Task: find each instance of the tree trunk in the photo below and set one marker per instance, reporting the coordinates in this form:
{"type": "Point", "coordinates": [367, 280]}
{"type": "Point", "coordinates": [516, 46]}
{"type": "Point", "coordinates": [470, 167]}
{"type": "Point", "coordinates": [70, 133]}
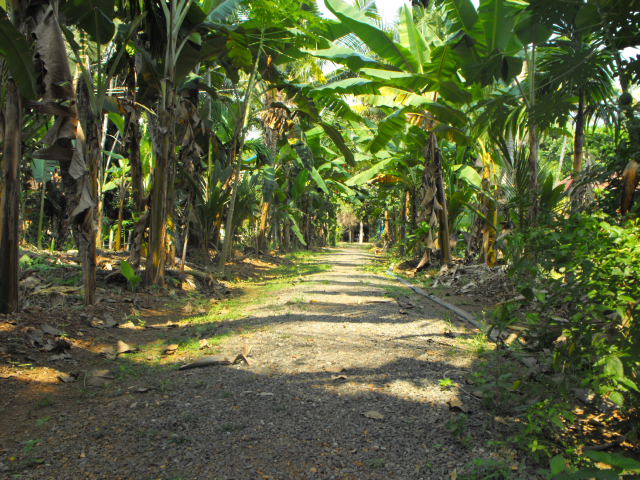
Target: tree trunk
{"type": "Point", "coordinates": [534, 141]}
{"type": "Point", "coordinates": [562, 155]}
{"type": "Point", "coordinates": [101, 174]}
{"type": "Point", "coordinates": [388, 236]}
{"type": "Point", "coordinates": [41, 212]}
{"type": "Point", "coordinates": [84, 215]}
{"type": "Point", "coordinates": [443, 214]}
{"type": "Point", "coordinates": [361, 237]}
{"type": "Point", "coordinates": [163, 143]}
{"type": "Point", "coordinates": [578, 141]}
{"type": "Point", "coordinates": [132, 147]}
{"type": "Point", "coordinates": [264, 226]}
{"type": "Point", "coordinates": [404, 214]}
{"type": "Point", "coordinates": [10, 200]}
{"type": "Point", "coordinates": [118, 245]}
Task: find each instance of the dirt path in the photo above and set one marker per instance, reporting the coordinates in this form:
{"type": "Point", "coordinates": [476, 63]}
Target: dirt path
{"type": "Point", "coordinates": [343, 383]}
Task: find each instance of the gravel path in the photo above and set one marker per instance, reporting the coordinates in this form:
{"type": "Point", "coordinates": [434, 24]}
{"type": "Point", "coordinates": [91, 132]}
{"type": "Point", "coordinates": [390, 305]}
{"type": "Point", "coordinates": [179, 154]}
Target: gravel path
{"type": "Point", "coordinates": [342, 384]}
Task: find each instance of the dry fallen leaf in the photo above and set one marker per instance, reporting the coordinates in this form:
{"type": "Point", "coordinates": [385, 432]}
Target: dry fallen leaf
{"type": "Point", "coordinates": [373, 414]}
{"type": "Point", "coordinates": [122, 347]}
{"type": "Point", "coordinates": [457, 405]}
{"type": "Point", "coordinates": [72, 377]}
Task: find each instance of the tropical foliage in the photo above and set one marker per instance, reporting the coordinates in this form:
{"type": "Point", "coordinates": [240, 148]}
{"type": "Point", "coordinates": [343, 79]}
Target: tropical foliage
{"type": "Point", "coordinates": [186, 128]}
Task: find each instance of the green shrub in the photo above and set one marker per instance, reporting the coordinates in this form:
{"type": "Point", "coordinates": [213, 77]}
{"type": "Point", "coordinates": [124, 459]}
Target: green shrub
{"type": "Point", "coordinates": [584, 273]}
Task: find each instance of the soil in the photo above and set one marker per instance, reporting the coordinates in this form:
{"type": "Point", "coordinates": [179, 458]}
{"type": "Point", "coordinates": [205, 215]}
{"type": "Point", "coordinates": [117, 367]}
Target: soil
{"type": "Point", "coordinates": [343, 381]}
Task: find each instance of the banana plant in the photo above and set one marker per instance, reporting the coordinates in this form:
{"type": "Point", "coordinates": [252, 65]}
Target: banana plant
{"type": "Point", "coordinates": [119, 178]}
{"type": "Point", "coordinates": [415, 81]}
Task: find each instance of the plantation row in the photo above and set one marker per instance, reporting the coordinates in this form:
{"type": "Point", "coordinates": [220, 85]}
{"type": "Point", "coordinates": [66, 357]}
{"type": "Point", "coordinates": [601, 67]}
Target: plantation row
{"type": "Point", "coordinates": [503, 133]}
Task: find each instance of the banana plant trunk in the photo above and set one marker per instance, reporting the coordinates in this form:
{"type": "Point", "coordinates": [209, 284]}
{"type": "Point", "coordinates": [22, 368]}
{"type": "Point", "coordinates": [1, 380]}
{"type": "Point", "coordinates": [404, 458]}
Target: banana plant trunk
{"type": "Point", "coordinates": [10, 200]}
{"type": "Point", "coordinates": [264, 226]}
{"type": "Point", "coordinates": [88, 137]}
{"type": "Point", "coordinates": [388, 235]}
{"type": "Point", "coordinates": [443, 214]}
{"type": "Point", "coordinates": [132, 139]}
{"type": "Point", "coordinates": [156, 257]}
{"type": "Point", "coordinates": [433, 207]}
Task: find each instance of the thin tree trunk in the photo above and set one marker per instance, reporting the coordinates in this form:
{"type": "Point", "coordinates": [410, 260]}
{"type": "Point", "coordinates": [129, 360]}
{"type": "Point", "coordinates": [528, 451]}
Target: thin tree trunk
{"type": "Point", "coordinates": [388, 237]}
{"type": "Point", "coordinates": [118, 245]}
{"type": "Point", "coordinates": [534, 141]}
{"type": "Point", "coordinates": [403, 221]}
{"type": "Point", "coordinates": [41, 212]}
{"type": "Point", "coordinates": [563, 151]}
{"type": "Point", "coordinates": [101, 174]}
{"type": "Point", "coordinates": [578, 141]}
{"type": "Point", "coordinates": [10, 200]}
{"type": "Point", "coordinates": [186, 238]}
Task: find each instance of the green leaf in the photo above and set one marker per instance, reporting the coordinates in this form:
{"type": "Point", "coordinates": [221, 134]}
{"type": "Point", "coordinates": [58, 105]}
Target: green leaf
{"type": "Point", "coordinates": [617, 398]}
{"type": "Point", "coordinates": [299, 184]}
{"type": "Point", "coordinates": [496, 18]}
{"type": "Point", "coordinates": [42, 170]}
{"type": "Point", "coordinates": [530, 30]}
{"type": "Point", "coordinates": [129, 273]}
{"type": "Point", "coordinates": [462, 14]}
{"type": "Point", "coordinates": [94, 16]}
{"type": "Point", "coordinates": [468, 174]}
{"type": "Point", "coordinates": [296, 230]}
{"type": "Point", "coordinates": [319, 181]}
{"type": "Point", "coordinates": [118, 121]}
{"type": "Point", "coordinates": [588, 18]}
{"type": "Point", "coordinates": [17, 54]}
{"type": "Point", "coordinates": [557, 464]}
{"type": "Point", "coordinates": [338, 140]}
{"type": "Point", "coordinates": [446, 113]}
{"type": "Point", "coordinates": [223, 10]}
{"type": "Point", "coordinates": [453, 92]}
{"type": "Point", "coordinates": [389, 128]}
{"type": "Point", "coordinates": [628, 465]}
{"type": "Point", "coordinates": [345, 56]}
{"type": "Point", "coordinates": [351, 86]}
{"type": "Point", "coordinates": [109, 186]}
{"type": "Point", "coordinates": [613, 367]}
{"type": "Point", "coordinates": [364, 177]}
{"type": "Point", "coordinates": [411, 37]}
{"type": "Point", "coordinates": [377, 40]}
{"type": "Point", "coordinates": [339, 186]}
{"type": "Point", "coordinates": [392, 78]}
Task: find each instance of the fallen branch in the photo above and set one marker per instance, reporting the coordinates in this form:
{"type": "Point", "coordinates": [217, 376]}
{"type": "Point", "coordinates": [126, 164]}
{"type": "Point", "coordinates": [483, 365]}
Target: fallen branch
{"type": "Point", "coordinates": [214, 361]}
